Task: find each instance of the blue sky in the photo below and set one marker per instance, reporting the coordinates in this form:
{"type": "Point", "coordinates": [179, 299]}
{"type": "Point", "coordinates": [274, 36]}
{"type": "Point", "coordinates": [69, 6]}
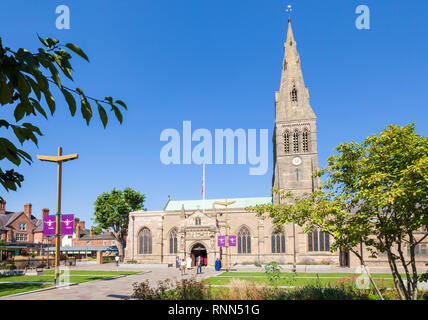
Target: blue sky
{"type": "Point", "coordinates": [217, 64]}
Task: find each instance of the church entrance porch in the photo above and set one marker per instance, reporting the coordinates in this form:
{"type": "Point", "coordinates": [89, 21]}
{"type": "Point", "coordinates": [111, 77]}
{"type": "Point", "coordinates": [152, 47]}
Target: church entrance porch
{"type": "Point", "coordinates": [198, 250]}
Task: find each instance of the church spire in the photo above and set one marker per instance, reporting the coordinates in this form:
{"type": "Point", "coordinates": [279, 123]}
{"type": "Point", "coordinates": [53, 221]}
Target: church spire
{"type": "Point", "coordinates": [295, 140]}
{"type": "Point", "coordinates": [293, 96]}
{"type": "Point", "coordinates": [290, 36]}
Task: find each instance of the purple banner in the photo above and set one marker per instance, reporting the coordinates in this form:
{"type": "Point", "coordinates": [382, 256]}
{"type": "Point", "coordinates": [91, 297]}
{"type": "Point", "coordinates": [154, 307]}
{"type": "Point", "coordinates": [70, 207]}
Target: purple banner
{"type": "Point", "coordinates": [49, 226]}
{"type": "Point", "coordinates": [67, 224]}
{"type": "Point", "coordinates": [232, 241]}
{"type": "Point", "coordinates": [221, 241]}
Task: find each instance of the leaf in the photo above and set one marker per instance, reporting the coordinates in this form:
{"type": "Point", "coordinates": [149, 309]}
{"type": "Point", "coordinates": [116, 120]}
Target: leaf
{"type": "Point", "coordinates": [5, 93]}
{"type": "Point", "coordinates": [38, 107]}
{"type": "Point", "coordinates": [70, 101]}
{"type": "Point", "coordinates": [86, 110]}
{"type": "Point", "coordinates": [118, 114]}
{"type": "Point", "coordinates": [55, 75]}
{"type": "Point", "coordinates": [35, 87]}
{"type": "Point", "coordinates": [42, 41]}
{"type": "Point", "coordinates": [77, 50]}
{"type": "Point", "coordinates": [19, 111]}
{"type": "Point", "coordinates": [122, 104]}
{"type": "Point", "coordinates": [50, 101]}
{"type": "Point", "coordinates": [103, 114]}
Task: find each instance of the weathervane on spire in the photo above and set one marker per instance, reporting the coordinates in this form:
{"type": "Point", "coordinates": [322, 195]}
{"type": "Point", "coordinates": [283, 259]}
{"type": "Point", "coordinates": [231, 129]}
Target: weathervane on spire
{"type": "Point", "coordinates": [288, 10]}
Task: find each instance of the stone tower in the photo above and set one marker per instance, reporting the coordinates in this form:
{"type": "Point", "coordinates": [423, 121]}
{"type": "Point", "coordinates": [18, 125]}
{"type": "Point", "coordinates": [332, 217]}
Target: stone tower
{"type": "Point", "coordinates": [294, 138]}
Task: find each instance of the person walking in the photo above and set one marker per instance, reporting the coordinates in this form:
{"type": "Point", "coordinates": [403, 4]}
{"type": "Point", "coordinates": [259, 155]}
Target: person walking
{"type": "Point", "coordinates": [177, 262]}
{"type": "Point", "coordinates": [199, 265]}
{"type": "Point", "coordinates": [117, 260]}
{"type": "Point", "coordinates": [183, 267]}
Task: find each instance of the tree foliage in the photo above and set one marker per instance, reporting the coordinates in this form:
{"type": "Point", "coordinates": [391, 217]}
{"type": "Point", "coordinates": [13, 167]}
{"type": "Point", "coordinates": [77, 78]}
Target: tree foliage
{"type": "Point", "coordinates": [376, 194]}
{"type": "Point", "coordinates": [112, 212]}
{"type": "Point", "coordinates": [26, 82]}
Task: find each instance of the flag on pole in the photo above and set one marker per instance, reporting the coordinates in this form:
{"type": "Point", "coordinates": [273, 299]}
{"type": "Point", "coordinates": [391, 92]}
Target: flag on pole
{"type": "Point", "coordinates": [203, 186]}
{"type": "Point", "coordinates": [203, 180]}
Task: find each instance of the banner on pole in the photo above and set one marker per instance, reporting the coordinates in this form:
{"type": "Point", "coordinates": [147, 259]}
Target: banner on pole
{"type": "Point", "coordinates": [232, 241]}
{"type": "Point", "coordinates": [221, 241]}
{"type": "Point", "coordinates": [49, 226]}
{"type": "Point", "coordinates": [67, 224]}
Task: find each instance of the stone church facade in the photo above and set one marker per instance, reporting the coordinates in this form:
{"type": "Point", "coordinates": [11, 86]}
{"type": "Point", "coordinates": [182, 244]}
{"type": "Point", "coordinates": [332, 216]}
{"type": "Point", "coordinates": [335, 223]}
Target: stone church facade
{"type": "Point", "coordinates": [185, 228]}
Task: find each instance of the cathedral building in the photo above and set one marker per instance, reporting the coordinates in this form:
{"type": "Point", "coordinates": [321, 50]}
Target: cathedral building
{"type": "Point", "coordinates": [191, 228]}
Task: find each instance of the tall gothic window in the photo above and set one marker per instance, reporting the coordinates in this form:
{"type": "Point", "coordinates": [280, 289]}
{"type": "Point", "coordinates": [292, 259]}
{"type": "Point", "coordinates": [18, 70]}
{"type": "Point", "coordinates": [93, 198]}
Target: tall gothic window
{"type": "Point", "coordinates": [294, 95]}
{"type": "Point", "coordinates": [286, 142]}
{"type": "Point", "coordinates": [173, 241]}
{"type": "Point", "coordinates": [198, 221]}
{"type": "Point", "coordinates": [244, 241]}
{"type": "Point", "coordinates": [278, 242]}
{"type": "Point", "coordinates": [305, 140]}
{"type": "Point", "coordinates": [318, 241]}
{"type": "Point", "coordinates": [145, 242]}
{"type": "Point", "coordinates": [296, 141]}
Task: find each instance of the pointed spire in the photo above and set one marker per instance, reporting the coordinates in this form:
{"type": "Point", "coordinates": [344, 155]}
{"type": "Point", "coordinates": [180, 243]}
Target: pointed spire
{"type": "Point", "coordinates": [290, 36]}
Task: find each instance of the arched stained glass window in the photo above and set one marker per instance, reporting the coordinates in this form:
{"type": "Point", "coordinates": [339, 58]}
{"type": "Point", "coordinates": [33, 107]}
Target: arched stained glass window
{"type": "Point", "coordinates": [173, 241]}
{"type": "Point", "coordinates": [145, 242]}
{"type": "Point", "coordinates": [244, 241]}
{"type": "Point", "coordinates": [318, 241]}
{"type": "Point", "coordinates": [278, 242]}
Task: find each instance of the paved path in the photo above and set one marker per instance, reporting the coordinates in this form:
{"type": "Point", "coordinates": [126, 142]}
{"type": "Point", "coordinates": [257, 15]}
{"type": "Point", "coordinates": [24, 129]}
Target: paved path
{"type": "Point", "coordinates": [110, 289]}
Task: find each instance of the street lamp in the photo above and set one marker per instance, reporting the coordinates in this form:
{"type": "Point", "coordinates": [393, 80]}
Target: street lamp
{"type": "Point", "coordinates": [226, 203]}
{"type": "Point", "coordinates": [58, 160]}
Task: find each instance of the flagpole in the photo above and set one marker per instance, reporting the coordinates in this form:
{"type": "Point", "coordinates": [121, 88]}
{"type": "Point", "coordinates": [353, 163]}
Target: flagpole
{"type": "Point", "coordinates": [203, 186]}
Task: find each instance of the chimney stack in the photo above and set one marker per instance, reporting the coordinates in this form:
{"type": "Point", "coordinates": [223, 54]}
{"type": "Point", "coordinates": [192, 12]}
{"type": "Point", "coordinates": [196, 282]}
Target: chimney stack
{"type": "Point", "coordinates": [3, 206]}
{"type": "Point", "coordinates": [27, 210]}
{"type": "Point", "coordinates": [91, 232]}
{"type": "Point", "coordinates": [45, 212]}
{"type": "Point", "coordinates": [78, 232]}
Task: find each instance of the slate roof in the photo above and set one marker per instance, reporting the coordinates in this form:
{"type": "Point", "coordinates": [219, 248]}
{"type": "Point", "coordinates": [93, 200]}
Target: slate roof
{"type": "Point", "coordinates": [8, 217]}
{"type": "Point", "coordinates": [240, 203]}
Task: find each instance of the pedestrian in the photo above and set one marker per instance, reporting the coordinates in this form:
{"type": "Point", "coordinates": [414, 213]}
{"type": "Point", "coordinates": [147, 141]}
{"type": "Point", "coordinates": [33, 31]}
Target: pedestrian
{"type": "Point", "coordinates": [217, 264]}
{"type": "Point", "coordinates": [117, 260]}
{"type": "Point", "coordinates": [199, 265]}
{"type": "Point", "coordinates": [177, 262]}
{"type": "Point", "coordinates": [205, 261]}
{"type": "Point", "coordinates": [183, 267]}
{"type": "Point", "coordinates": [189, 263]}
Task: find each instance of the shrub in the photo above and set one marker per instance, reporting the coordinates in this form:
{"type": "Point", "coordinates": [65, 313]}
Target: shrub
{"type": "Point", "coordinates": [186, 289]}
{"type": "Point", "coordinates": [273, 272]}
{"type": "Point", "coordinates": [131, 261]}
{"type": "Point", "coordinates": [246, 290]}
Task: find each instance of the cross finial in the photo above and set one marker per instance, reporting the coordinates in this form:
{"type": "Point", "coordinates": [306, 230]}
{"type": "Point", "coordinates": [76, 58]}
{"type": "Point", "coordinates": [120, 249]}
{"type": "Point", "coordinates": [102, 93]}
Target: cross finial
{"type": "Point", "coordinates": [289, 10]}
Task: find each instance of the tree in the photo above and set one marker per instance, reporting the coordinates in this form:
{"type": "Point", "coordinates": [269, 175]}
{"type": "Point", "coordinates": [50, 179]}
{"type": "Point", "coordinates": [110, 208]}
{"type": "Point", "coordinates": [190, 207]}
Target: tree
{"type": "Point", "coordinates": [375, 194]}
{"type": "Point", "coordinates": [112, 212]}
{"type": "Point", "coordinates": [25, 78]}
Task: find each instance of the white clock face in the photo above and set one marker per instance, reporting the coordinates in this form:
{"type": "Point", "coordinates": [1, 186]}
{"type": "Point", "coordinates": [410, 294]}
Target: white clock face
{"type": "Point", "coordinates": [297, 161]}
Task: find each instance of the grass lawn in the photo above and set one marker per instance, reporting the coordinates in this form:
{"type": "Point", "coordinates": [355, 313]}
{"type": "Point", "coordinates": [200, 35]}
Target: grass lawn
{"type": "Point", "coordinates": [12, 288]}
{"type": "Point", "coordinates": [298, 279]}
{"type": "Point", "coordinates": [76, 276]}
